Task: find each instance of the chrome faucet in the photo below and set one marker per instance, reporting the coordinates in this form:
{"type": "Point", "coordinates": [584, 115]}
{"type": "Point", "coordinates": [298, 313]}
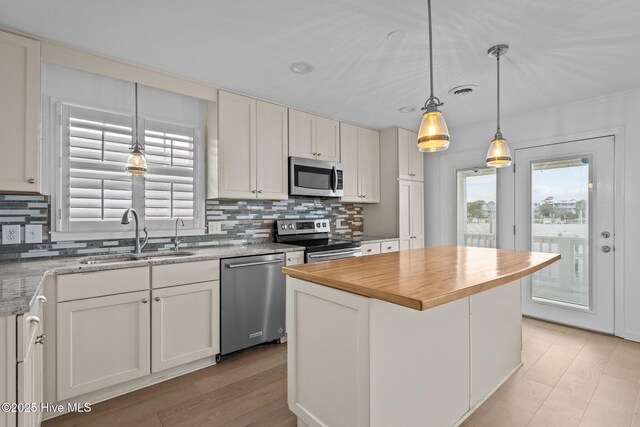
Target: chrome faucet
{"type": "Point", "coordinates": [175, 240]}
{"type": "Point", "coordinates": [126, 219]}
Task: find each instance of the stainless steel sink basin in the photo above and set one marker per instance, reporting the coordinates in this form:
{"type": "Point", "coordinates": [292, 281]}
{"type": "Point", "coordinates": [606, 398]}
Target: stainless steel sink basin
{"type": "Point", "coordinates": [112, 258]}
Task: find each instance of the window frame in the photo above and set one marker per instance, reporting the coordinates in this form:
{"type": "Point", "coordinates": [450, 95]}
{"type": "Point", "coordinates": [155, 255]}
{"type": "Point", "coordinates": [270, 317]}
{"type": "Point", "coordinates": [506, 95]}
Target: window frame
{"type": "Point", "coordinates": [460, 196]}
{"type": "Point", "coordinates": [95, 230]}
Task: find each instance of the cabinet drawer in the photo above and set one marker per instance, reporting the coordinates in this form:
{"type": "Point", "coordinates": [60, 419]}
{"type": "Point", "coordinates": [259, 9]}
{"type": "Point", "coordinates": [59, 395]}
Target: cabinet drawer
{"type": "Point", "coordinates": [370, 248]}
{"type": "Point", "coordinates": [392, 246]}
{"type": "Point", "coordinates": [184, 273]}
{"type": "Point", "coordinates": [102, 283]}
{"type": "Point", "coordinates": [28, 325]}
{"type": "Point", "coordinates": [294, 258]}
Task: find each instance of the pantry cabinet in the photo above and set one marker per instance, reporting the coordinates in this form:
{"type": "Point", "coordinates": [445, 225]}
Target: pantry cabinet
{"type": "Point", "coordinates": [19, 114]}
{"type": "Point", "coordinates": [411, 214]}
{"type": "Point", "coordinates": [360, 153]}
{"type": "Point", "coordinates": [313, 137]}
{"type": "Point", "coordinates": [252, 150]}
{"type": "Point", "coordinates": [410, 159]}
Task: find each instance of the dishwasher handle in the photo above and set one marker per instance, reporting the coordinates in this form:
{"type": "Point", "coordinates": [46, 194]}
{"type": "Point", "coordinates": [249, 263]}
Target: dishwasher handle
{"type": "Point", "coordinates": [251, 264]}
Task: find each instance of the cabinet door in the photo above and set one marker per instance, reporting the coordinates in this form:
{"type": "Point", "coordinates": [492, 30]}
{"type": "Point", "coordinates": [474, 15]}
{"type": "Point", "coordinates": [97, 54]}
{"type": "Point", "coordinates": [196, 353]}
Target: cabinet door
{"type": "Point", "coordinates": [405, 147]}
{"type": "Point", "coordinates": [369, 165]}
{"type": "Point", "coordinates": [19, 114]}
{"type": "Point", "coordinates": [417, 159]}
{"type": "Point", "coordinates": [102, 342]}
{"type": "Point", "coordinates": [417, 214]}
{"type": "Point", "coordinates": [236, 146]}
{"type": "Point", "coordinates": [327, 139]}
{"type": "Point", "coordinates": [302, 134]}
{"type": "Point", "coordinates": [371, 248]}
{"type": "Point", "coordinates": [294, 258]}
{"type": "Point", "coordinates": [349, 156]}
{"type": "Point", "coordinates": [185, 324]}
{"type": "Point", "coordinates": [30, 381]}
{"type": "Point", "coordinates": [272, 151]}
{"type": "Point", "coordinates": [404, 214]}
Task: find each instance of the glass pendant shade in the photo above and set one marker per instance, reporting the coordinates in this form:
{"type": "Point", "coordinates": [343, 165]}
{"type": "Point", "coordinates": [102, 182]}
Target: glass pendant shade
{"type": "Point", "coordinates": [136, 163]}
{"type": "Point", "coordinates": [433, 135]}
{"type": "Point", "coordinates": [499, 155]}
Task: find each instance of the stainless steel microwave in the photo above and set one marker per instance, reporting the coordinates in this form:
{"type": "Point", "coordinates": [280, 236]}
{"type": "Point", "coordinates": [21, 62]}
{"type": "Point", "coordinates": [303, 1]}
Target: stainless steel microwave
{"type": "Point", "coordinates": [318, 178]}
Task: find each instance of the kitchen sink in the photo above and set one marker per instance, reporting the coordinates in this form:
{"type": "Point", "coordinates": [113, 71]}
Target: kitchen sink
{"type": "Point", "coordinates": [112, 258]}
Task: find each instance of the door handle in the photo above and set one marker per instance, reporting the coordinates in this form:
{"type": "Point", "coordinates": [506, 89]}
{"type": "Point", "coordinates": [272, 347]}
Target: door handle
{"type": "Point", "coordinates": [605, 234]}
{"type": "Point", "coordinates": [251, 264]}
{"type": "Point", "coordinates": [606, 249]}
{"type": "Point", "coordinates": [334, 179]}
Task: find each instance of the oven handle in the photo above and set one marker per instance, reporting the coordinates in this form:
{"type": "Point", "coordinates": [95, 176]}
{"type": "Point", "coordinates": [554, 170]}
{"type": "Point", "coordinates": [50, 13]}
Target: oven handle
{"type": "Point", "coordinates": [251, 264]}
{"type": "Point", "coordinates": [334, 179]}
{"type": "Point", "coordinates": [353, 252]}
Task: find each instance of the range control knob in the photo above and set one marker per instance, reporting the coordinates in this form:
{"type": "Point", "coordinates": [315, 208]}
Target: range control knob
{"type": "Point", "coordinates": [317, 225]}
{"type": "Point", "coordinates": [324, 224]}
{"type": "Point", "coordinates": [283, 226]}
{"type": "Point", "coordinates": [290, 226]}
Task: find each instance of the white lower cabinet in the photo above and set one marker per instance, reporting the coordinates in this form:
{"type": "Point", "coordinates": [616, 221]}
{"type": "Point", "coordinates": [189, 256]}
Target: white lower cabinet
{"type": "Point", "coordinates": [294, 258]}
{"type": "Point", "coordinates": [389, 246]}
{"type": "Point", "coordinates": [101, 342]}
{"type": "Point", "coordinates": [30, 383]}
{"type": "Point", "coordinates": [371, 248]}
{"type": "Point", "coordinates": [185, 324]}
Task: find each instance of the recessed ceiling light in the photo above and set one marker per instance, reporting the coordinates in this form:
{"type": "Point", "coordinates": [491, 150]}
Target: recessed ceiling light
{"type": "Point", "coordinates": [301, 68]}
{"type": "Point", "coordinates": [462, 90]}
{"type": "Point", "coordinates": [408, 109]}
{"type": "Point", "coordinates": [397, 35]}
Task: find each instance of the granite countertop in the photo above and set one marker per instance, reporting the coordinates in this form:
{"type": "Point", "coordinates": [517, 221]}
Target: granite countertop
{"type": "Point", "coordinates": [20, 281]}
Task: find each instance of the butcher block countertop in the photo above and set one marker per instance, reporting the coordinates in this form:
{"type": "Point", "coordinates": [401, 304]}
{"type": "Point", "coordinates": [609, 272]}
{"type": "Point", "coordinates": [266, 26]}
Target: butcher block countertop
{"type": "Point", "coordinates": [424, 278]}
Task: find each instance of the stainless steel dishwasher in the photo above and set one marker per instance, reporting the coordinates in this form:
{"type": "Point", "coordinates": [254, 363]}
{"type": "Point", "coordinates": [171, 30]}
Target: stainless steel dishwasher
{"type": "Point", "coordinates": [252, 301]}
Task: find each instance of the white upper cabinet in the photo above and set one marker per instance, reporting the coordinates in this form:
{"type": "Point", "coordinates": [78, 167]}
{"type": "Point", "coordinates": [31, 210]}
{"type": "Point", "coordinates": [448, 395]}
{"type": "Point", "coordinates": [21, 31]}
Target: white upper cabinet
{"type": "Point", "coordinates": [272, 151]}
{"type": "Point", "coordinates": [252, 150]}
{"type": "Point", "coordinates": [19, 114]}
{"type": "Point", "coordinates": [327, 139]}
{"type": "Point", "coordinates": [410, 160]}
{"type": "Point", "coordinates": [313, 137]}
{"type": "Point", "coordinates": [360, 153]}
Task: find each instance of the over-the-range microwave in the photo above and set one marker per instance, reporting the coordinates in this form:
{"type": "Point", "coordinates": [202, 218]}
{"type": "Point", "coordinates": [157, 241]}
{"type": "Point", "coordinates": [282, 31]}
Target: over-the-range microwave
{"type": "Point", "coordinates": [309, 177]}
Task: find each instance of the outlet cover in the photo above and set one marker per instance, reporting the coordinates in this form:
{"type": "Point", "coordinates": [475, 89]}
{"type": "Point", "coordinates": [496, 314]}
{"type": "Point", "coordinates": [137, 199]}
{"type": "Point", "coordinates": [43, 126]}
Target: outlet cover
{"type": "Point", "coordinates": [33, 233]}
{"type": "Point", "coordinates": [215, 227]}
{"type": "Point", "coordinates": [11, 234]}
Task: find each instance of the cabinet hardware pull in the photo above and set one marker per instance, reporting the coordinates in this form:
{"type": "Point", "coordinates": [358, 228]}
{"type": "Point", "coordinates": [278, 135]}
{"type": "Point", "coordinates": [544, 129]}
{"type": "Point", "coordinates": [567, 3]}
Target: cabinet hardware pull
{"type": "Point", "coordinates": [42, 298]}
{"type": "Point", "coordinates": [157, 298]}
{"type": "Point", "coordinates": [388, 247]}
{"type": "Point", "coordinates": [253, 191]}
{"type": "Point", "coordinates": [34, 320]}
{"type": "Point", "coordinates": [289, 259]}
{"type": "Point", "coordinates": [31, 181]}
{"type": "Point", "coordinates": [260, 191]}
{"type": "Point", "coordinates": [144, 301]}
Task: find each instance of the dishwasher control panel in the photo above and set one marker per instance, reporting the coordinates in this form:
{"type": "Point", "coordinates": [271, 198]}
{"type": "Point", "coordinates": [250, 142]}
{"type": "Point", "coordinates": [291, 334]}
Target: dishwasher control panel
{"type": "Point", "coordinates": [302, 226]}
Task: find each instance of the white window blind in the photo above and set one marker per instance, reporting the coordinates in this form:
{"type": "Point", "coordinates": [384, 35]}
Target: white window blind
{"type": "Point", "coordinates": [96, 187]}
{"type": "Point", "coordinates": [169, 183]}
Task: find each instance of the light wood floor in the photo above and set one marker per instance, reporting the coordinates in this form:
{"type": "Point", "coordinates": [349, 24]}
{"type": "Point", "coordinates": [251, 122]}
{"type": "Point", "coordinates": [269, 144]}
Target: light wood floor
{"type": "Point", "coordinates": [570, 378]}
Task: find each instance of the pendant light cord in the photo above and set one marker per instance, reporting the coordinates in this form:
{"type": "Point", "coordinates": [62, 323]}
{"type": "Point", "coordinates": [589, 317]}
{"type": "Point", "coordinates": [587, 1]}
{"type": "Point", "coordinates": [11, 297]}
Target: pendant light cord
{"type": "Point", "coordinates": [430, 51]}
{"type": "Point", "coordinates": [136, 143]}
{"type": "Point", "coordinates": [498, 103]}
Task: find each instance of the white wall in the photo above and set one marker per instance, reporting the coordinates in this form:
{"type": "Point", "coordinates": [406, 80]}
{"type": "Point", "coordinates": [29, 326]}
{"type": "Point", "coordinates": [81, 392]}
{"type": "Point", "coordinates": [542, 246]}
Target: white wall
{"type": "Point", "coordinates": [617, 114]}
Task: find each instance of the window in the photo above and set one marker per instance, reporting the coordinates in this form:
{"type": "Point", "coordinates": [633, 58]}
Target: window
{"type": "Point", "coordinates": [95, 190]}
{"type": "Point", "coordinates": [476, 207]}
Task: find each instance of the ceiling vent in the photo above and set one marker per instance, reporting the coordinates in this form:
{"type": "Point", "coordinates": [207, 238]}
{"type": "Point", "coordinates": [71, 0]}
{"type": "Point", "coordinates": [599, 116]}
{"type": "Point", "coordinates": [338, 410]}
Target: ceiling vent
{"type": "Point", "coordinates": [463, 90]}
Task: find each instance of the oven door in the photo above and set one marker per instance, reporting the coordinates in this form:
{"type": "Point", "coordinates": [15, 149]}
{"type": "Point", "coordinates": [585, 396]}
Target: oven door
{"type": "Point", "coordinates": [309, 177]}
{"type": "Point", "coordinates": [331, 255]}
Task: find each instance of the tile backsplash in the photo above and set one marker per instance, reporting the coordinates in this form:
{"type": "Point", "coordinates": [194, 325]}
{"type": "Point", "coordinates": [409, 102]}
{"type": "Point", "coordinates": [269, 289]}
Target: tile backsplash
{"type": "Point", "coordinates": [241, 221]}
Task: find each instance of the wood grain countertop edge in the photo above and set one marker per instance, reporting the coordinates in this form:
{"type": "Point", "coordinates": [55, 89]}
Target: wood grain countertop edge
{"type": "Point", "coordinates": [415, 303]}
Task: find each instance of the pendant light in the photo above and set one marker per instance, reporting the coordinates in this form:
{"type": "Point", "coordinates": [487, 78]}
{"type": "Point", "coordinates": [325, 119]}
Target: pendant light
{"type": "Point", "coordinates": [433, 134]}
{"type": "Point", "coordinates": [136, 163]}
{"type": "Point", "coordinates": [499, 155]}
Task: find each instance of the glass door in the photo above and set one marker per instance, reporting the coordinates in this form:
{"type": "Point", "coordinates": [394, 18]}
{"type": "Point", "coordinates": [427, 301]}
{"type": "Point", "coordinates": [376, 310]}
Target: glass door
{"type": "Point", "coordinates": [564, 204]}
{"type": "Point", "coordinates": [476, 207]}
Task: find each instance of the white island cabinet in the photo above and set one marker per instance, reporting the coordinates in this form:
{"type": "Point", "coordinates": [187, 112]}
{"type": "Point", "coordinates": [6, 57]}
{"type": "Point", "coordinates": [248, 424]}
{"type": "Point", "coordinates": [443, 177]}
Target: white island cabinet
{"type": "Point", "coordinates": [410, 338]}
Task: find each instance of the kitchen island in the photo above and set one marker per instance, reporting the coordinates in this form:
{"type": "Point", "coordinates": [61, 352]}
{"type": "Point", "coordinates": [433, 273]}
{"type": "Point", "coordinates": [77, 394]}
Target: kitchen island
{"type": "Point", "coordinates": [418, 337]}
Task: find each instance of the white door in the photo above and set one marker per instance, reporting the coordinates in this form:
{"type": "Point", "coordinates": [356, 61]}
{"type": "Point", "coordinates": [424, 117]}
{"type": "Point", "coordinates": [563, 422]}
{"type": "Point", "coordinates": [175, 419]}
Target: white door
{"type": "Point", "coordinates": [327, 139]}
{"type": "Point", "coordinates": [272, 151]}
{"type": "Point", "coordinates": [417, 215]}
{"type": "Point", "coordinates": [185, 324]}
{"type": "Point", "coordinates": [237, 142]}
{"type": "Point", "coordinates": [417, 158]}
{"type": "Point", "coordinates": [369, 165]}
{"type": "Point", "coordinates": [404, 214]}
{"type": "Point", "coordinates": [405, 156]}
{"type": "Point", "coordinates": [564, 203]}
{"type": "Point", "coordinates": [349, 156]}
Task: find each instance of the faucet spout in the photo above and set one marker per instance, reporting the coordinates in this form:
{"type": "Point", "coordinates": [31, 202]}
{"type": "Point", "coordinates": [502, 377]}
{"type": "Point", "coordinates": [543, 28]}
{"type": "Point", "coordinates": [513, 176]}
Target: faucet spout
{"type": "Point", "coordinates": [126, 219]}
{"type": "Point", "coordinates": [175, 240]}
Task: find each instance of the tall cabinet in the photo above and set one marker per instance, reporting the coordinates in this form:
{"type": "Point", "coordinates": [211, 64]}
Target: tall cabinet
{"type": "Point", "coordinates": [251, 150]}
{"type": "Point", "coordinates": [19, 114]}
{"type": "Point", "coordinates": [400, 212]}
{"type": "Point", "coordinates": [360, 154]}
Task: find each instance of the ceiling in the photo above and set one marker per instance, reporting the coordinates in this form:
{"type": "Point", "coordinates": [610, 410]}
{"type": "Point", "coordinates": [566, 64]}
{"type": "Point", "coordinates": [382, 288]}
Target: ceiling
{"type": "Point", "coordinates": [561, 51]}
